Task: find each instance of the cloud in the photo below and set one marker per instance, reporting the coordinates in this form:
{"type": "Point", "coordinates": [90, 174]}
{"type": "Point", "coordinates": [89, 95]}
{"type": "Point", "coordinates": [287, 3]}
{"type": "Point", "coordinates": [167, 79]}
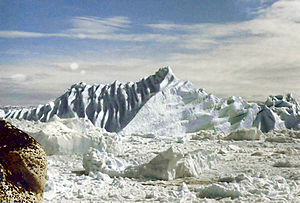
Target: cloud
{"type": "Point", "coordinates": [23, 34]}
{"type": "Point", "coordinates": [18, 77]}
{"type": "Point", "coordinates": [82, 27]}
{"type": "Point", "coordinates": [13, 77]}
{"type": "Point", "coordinates": [257, 57]}
{"type": "Point", "coordinates": [118, 28]}
{"type": "Point", "coordinates": [93, 25]}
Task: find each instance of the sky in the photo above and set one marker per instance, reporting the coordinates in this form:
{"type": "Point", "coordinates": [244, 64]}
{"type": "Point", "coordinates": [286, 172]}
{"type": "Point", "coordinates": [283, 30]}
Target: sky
{"type": "Point", "coordinates": [247, 48]}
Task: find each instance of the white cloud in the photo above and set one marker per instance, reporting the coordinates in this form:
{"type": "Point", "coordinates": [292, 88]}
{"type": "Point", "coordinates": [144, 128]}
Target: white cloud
{"type": "Point", "coordinates": [92, 25]}
{"type": "Point", "coordinates": [116, 28]}
{"type": "Point", "coordinates": [23, 34]}
{"type": "Point", "coordinates": [18, 77]}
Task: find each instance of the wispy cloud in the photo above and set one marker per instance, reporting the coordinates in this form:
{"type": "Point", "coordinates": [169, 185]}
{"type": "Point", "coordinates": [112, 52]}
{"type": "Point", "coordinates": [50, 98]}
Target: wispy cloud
{"type": "Point", "coordinates": [117, 28]}
{"type": "Point", "coordinates": [23, 34]}
{"type": "Point", "coordinates": [92, 25]}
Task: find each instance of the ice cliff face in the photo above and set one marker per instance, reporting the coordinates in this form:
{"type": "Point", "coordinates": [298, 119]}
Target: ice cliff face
{"type": "Point", "coordinates": [107, 106]}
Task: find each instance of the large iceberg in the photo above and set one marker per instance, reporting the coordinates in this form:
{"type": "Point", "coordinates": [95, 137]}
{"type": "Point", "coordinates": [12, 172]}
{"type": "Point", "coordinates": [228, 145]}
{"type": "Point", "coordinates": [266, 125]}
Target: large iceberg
{"type": "Point", "coordinates": [162, 104]}
{"type": "Point", "coordinates": [107, 106]}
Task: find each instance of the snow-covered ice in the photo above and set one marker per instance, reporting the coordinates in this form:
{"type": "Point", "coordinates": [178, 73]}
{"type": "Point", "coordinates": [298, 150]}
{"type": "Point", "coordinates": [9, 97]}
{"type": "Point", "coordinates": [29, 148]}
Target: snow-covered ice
{"type": "Point", "coordinates": [207, 166]}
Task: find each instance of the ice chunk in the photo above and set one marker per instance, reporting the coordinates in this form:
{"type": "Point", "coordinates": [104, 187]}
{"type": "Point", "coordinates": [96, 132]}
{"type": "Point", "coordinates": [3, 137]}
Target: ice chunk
{"type": "Point", "coordinates": [193, 164]}
{"type": "Point", "coordinates": [169, 165]}
{"type": "Point", "coordinates": [163, 166]}
{"type": "Point", "coordinates": [107, 163]}
{"type": "Point", "coordinates": [244, 134]}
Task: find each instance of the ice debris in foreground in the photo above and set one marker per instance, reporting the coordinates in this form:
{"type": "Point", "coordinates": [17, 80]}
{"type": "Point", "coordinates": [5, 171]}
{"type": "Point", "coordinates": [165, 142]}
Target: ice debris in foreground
{"type": "Point", "coordinates": [266, 170]}
{"type": "Point", "coordinates": [167, 165]}
{"type": "Point", "coordinates": [104, 162]}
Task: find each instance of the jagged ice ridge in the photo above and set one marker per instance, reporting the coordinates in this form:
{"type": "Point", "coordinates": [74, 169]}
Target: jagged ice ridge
{"type": "Point", "coordinates": [162, 103]}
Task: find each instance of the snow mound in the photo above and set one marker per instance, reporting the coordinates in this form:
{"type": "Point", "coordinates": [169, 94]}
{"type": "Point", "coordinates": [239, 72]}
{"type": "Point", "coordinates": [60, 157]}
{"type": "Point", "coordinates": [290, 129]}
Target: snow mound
{"type": "Point", "coordinates": [169, 165]}
{"type": "Point", "coordinates": [279, 112]}
{"type": "Point", "coordinates": [244, 134]}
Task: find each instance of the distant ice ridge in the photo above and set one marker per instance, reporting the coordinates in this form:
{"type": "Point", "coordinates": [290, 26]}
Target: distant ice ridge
{"type": "Point", "coordinates": [162, 104]}
{"type": "Point", "coordinates": [279, 112]}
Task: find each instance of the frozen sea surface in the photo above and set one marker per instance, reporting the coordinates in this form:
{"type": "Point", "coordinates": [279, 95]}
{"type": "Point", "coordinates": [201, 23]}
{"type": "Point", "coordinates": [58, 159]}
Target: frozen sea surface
{"type": "Point", "coordinates": [240, 166]}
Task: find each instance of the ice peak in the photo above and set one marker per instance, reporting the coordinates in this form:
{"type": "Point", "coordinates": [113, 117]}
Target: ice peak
{"type": "Point", "coordinates": [165, 76]}
{"type": "Point", "coordinates": [78, 85]}
{"type": "Point", "coordinates": [165, 71]}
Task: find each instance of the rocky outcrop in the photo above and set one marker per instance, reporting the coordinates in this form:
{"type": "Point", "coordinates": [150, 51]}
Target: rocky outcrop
{"type": "Point", "coordinates": [23, 165]}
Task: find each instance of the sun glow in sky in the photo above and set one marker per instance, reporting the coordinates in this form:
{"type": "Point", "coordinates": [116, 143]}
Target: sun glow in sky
{"type": "Point", "coordinates": [247, 48]}
{"type": "Point", "coordinates": [74, 66]}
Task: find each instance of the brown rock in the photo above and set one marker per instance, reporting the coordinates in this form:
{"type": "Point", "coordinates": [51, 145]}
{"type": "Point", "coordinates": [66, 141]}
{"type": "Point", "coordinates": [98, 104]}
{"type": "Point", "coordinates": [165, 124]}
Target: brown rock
{"type": "Point", "coordinates": [23, 165]}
